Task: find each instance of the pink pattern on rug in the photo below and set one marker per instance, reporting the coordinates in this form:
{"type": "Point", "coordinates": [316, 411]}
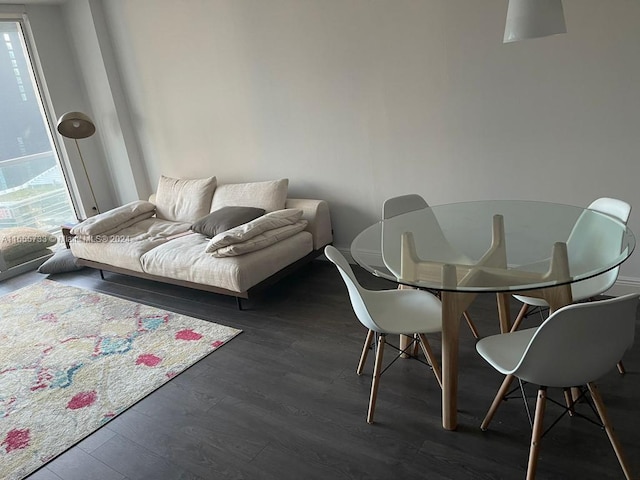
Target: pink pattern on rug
{"type": "Point", "coordinates": [148, 359]}
{"type": "Point", "coordinates": [82, 399]}
{"type": "Point", "coordinates": [217, 343]}
{"type": "Point", "coordinates": [44, 379]}
{"type": "Point", "coordinates": [188, 334]}
{"type": "Point", "coordinates": [16, 440]}
{"type": "Point", "coordinates": [49, 317]}
{"type": "Point", "coordinates": [92, 299]}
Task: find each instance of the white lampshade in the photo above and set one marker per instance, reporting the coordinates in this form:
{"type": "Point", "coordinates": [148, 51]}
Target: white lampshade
{"type": "Point", "coordinates": [533, 18]}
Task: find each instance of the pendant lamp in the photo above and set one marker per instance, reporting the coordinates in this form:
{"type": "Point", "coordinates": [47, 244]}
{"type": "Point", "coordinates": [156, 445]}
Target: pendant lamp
{"type": "Point", "coordinates": [532, 19]}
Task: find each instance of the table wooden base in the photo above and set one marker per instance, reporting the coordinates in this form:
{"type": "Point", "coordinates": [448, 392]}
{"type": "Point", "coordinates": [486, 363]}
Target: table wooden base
{"type": "Point", "coordinates": [454, 304]}
{"type": "Point", "coordinates": [490, 272]}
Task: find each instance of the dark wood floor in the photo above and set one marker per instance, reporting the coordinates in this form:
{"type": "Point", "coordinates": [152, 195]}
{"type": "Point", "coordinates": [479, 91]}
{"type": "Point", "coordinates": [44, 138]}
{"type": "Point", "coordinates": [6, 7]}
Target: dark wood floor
{"type": "Point", "coordinates": [282, 401]}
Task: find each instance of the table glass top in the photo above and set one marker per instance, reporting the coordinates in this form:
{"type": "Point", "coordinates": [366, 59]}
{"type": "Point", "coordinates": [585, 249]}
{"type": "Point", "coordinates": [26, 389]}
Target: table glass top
{"type": "Point", "coordinates": [494, 245]}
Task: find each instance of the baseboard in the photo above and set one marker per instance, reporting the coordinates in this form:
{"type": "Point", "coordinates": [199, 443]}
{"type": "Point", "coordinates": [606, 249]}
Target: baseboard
{"type": "Point", "coordinates": [344, 251]}
{"type": "Point", "coordinates": [624, 286]}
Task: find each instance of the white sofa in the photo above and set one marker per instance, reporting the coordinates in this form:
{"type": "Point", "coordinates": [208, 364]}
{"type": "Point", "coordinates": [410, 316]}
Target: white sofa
{"type": "Point", "coordinates": [154, 239]}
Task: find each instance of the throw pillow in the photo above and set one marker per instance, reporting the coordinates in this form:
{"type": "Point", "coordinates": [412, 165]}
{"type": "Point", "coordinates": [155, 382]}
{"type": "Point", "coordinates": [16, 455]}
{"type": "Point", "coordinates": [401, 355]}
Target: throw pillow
{"type": "Point", "coordinates": [270, 195]}
{"type": "Point", "coordinates": [62, 261]}
{"type": "Point", "coordinates": [224, 219]}
{"type": "Point", "coordinates": [184, 200]}
{"type": "Point", "coordinates": [16, 242]}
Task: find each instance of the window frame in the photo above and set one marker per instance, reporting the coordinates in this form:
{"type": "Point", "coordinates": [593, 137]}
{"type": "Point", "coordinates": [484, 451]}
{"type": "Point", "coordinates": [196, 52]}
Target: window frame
{"type": "Point", "coordinates": [18, 14]}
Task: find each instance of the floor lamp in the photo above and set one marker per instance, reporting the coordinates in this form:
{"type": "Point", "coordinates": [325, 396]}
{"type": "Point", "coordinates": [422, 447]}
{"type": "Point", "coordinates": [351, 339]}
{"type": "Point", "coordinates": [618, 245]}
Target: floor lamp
{"type": "Point", "coordinates": [78, 125]}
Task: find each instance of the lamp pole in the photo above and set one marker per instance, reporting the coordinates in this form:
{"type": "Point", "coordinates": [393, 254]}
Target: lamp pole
{"type": "Point", "coordinates": [84, 167]}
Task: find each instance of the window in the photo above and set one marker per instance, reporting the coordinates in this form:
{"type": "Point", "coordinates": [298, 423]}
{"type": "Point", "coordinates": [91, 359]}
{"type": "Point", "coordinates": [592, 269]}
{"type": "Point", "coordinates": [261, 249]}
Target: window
{"type": "Point", "coordinates": [33, 188]}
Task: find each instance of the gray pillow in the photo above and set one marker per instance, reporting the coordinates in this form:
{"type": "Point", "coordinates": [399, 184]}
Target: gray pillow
{"type": "Point", "coordinates": [61, 261]}
{"type": "Point", "coordinates": [224, 219]}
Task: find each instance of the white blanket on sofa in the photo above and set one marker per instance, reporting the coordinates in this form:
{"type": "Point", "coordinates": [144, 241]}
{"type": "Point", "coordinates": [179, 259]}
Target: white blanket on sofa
{"type": "Point", "coordinates": [109, 223]}
{"type": "Point", "coordinates": [257, 234]}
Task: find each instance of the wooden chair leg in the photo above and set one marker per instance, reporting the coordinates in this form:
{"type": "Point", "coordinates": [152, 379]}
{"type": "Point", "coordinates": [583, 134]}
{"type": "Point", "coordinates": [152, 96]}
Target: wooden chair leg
{"type": "Point", "coordinates": [521, 314]}
{"type": "Point", "coordinates": [504, 388]}
{"type": "Point", "coordinates": [416, 346]}
{"type": "Point", "coordinates": [375, 382]}
{"type": "Point", "coordinates": [472, 325]}
{"type": "Point", "coordinates": [428, 352]}
{"type": "Point", "coordinates": [536, 435]}
{"type": "Point", "coordinates": [365, 351]}
{"type": "Point", "coordinates": [613, 438]}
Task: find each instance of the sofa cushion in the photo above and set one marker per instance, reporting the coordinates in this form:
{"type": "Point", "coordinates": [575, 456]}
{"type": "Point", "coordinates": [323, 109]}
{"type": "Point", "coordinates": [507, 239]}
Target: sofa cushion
{"type": "Point", "coordinates": [183, 259]}
{"type": "Point", "coordinates": [126, 247]}
{"type": "Point", "coordinates": [225, 219]}
{"type": "Point", "coordinates": [260, 241]}
{"type": "Point", "coordinates": [184, 200]}
{"type": "Point", "coordinates": [41, 254]}
{"type": "Point", "coordinates": [16, 242]}
{"type": "Point", "coordinates": [115, 219]}
{"type": "Point", "coordinates": [270, 195]}
{"type": "Point", "coordinates": [247, 231]}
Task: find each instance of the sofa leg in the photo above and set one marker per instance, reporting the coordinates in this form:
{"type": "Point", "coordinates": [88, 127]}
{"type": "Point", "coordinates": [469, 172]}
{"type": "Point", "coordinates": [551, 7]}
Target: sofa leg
{"type": "Point", "coordinates": [239, 303]}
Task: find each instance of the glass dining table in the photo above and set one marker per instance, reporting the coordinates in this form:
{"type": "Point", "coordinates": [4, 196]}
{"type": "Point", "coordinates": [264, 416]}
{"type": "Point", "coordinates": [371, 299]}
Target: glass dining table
{"type": "Point", "coordinates": [531, 248]}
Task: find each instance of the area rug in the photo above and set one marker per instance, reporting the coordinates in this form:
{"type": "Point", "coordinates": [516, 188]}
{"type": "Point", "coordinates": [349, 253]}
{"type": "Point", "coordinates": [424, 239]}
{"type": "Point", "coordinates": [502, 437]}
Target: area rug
{"type": "Point", "coordinates": [72, 359]}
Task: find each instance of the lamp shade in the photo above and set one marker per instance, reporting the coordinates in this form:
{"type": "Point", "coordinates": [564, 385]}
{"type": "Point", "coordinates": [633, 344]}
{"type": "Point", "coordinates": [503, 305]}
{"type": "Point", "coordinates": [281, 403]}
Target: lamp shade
{"type": "Point", "coordinates": [75, 125]}
{"type": "Point", "coordinates": [533, 19]}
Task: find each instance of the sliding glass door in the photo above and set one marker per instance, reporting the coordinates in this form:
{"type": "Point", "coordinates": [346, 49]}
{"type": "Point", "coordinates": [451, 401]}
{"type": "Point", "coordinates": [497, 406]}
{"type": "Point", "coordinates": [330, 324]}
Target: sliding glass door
{"type": "Point", "coordinates": [33, 188]}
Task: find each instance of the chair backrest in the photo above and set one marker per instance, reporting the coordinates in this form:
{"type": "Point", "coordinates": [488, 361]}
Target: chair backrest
{"type": "Point", "coordinates": [593, 238]}
{"type": "Point", "coordinates": [579, 343]}
{"type": "Point", "coordinates": [612, 206]}
{"type": "Point", "coordinates": [392, 207]}
{"type": "Point", "coordinates": [357, 293]}
{"type": "Point", "coordinates": [431, 242]}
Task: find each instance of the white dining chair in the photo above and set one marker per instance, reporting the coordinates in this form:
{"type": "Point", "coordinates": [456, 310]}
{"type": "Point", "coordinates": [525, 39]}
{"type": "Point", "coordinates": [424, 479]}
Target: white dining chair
{"type": "Point", "coordinates": [392, 207]}
{"type": "Point", "coordinates": [575, 346]}
{"type": "Point", "coordinates": [404, 312]}
{"type": "Point", "coordinates": [585, 243]}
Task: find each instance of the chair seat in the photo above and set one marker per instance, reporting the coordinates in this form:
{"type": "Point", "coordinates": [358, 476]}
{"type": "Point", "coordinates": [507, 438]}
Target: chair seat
{"type": "Point", "coordinates": [533, 301]}
{"type": "Point", "coordinates": [579, 291]}
{"type": "Point", "coordinates": [505, 351]}
{"type": "Point", "coordinates": [402, 311]}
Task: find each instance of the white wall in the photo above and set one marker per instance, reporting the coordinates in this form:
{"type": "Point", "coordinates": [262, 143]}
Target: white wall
{"type": "Point", "coordinates": [98, 67]}
{"type": "Point", "coordinates": [358, 100]}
